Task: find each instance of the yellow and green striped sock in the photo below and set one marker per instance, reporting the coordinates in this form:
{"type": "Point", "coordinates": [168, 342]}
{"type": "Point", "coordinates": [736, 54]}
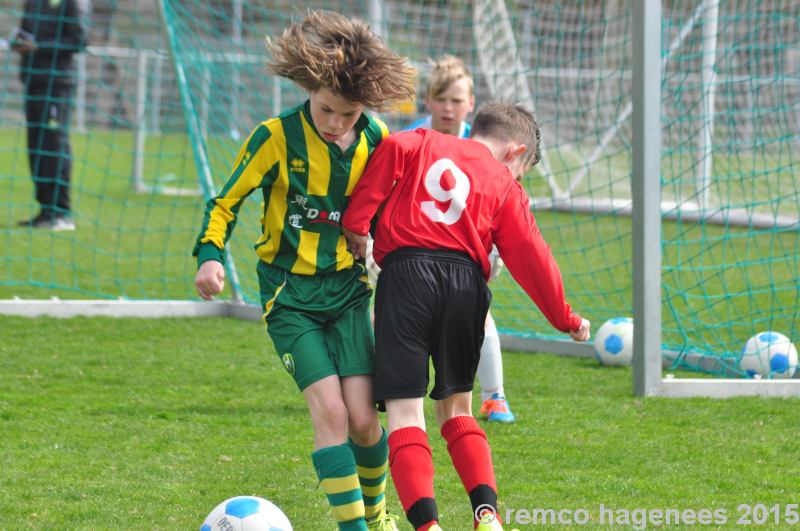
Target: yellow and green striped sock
{"type": "Point", "coordinates": [336, 470]}
{"type": "Point", "coordinates": [371, 464]}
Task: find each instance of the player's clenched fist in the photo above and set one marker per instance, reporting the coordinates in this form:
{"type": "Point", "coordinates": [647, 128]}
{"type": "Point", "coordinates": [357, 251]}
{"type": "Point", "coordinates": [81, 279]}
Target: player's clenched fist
{"type": "Point", "coordinates": [582, 333]}
{"type": "Point", "coordinates": [210, 279]}
{"type": "Point", "coordinates": [356, 244]}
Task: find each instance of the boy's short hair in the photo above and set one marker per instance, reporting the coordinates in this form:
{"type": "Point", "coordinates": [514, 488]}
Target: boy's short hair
{"type": "Point", "coordinates": [446, 71]}
{"type": "Point", "coordinates": [509, 121]}
{"type": "Point", "coordinates": [328, 50]}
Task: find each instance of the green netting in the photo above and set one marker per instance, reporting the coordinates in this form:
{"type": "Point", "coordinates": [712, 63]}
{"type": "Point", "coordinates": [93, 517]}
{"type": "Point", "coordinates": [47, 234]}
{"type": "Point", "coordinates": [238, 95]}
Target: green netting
{"type": "Point", "coordinates": [127, 128]}
{"type": "Point", "coordinates": [171, 90]}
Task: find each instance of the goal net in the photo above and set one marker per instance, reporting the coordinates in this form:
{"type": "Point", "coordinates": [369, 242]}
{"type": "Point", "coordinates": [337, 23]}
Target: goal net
{"type": "Point", "coordinates": [169, 90]}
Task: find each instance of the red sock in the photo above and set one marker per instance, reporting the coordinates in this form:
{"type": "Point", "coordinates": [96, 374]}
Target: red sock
{"type": "Point", "coordinates": [472, 459]}
{"type": "Point", "coordinates": [411, 465]}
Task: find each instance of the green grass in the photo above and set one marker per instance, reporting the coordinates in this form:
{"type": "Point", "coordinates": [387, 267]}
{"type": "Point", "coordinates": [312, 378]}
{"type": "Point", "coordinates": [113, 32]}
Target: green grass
{"type": "Point", "coordinates": [128, 244]}
{"type": "Point", "coordinates": [148, 424]}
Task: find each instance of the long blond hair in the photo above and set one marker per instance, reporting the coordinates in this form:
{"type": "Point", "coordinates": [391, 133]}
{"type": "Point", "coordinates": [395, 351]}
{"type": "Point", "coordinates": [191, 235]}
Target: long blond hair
{"type": "Point", "coordinates": [328, 50]}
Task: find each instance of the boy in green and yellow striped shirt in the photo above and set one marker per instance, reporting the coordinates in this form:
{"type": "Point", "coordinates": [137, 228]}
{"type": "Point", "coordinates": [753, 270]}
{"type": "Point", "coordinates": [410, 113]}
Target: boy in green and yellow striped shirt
{"type": "Point", "coordinates": [315, 296]}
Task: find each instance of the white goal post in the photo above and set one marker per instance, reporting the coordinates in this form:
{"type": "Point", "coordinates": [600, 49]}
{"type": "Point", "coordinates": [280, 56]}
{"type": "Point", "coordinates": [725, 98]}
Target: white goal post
{"type": "Point", "coordinates": [646, 188]}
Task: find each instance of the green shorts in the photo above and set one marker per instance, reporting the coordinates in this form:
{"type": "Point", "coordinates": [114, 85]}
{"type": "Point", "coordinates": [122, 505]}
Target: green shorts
{"type": "Point", "coordinates": [319, 325]}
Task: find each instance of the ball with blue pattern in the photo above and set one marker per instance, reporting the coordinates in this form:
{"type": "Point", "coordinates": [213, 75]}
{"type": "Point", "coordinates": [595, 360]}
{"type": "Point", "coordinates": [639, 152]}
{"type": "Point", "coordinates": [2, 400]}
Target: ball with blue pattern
{"type": "Point", "coordinates": [768, 355]}
{"type": "Point", "coordinates": [246, 513]}
{"type": "Point", "coordinates": [613, 343]}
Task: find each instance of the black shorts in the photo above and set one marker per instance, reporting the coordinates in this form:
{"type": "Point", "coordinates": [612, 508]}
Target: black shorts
{"type": "Point", "coordinates": [428, 302]}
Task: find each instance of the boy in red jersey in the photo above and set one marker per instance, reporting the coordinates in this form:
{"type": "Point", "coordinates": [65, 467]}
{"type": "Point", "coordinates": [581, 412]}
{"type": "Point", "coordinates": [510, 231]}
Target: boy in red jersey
{"type": "Point", "coordinates": [445, 202]}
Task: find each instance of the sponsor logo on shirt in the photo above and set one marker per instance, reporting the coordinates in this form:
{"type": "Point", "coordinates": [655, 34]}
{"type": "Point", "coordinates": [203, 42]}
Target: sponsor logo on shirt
{"type": "Point", "coordinates": [320, 216]}
{"type": "Point", "coordinates": [314, 215]}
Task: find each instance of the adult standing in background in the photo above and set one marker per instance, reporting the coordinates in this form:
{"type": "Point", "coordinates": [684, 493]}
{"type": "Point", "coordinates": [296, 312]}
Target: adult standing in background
{"type": "Point", "coordinates": [49, 36]}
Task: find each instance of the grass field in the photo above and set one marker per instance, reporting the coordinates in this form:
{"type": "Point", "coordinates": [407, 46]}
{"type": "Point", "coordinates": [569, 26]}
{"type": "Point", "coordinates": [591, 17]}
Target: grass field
{"type": "Point", "coordinates": [148, 424]}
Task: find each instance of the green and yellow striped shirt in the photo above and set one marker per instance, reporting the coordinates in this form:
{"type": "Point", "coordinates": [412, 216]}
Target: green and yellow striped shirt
{"type": "Point", "coordinates": [306, 183]}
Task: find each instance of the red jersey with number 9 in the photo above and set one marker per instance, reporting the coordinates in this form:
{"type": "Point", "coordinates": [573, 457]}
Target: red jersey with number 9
{"type": "Point", "coordinates": [441, 192]}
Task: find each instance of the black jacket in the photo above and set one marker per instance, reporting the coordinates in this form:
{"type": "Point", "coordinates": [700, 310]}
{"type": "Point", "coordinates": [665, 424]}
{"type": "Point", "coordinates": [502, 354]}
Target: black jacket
{"type": "Point", "coordinates": [60, 31]}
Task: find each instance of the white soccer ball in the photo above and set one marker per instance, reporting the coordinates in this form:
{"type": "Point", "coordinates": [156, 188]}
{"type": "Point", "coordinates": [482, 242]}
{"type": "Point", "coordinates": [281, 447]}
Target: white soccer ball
{"type": "Point", "coordinates": [613, 343]}
{"type": "Point", "coordinates": [246, 513]}
{"type": "Point", "coordinates": [769, 355]}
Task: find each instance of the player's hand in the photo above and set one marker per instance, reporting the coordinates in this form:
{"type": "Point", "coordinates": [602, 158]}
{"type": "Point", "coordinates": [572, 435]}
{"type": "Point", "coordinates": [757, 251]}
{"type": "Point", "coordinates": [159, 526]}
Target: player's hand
{"type": "Point", "coordinates": [23, 46]}
{"type": "Point", "coordinates": [582, 333]}
{"type": "Point", "coordinates": [356, 244]}
{"type": "Point", "coordinates": [210, 279]}
{"type": "Point", "coordinates": [22, 42]}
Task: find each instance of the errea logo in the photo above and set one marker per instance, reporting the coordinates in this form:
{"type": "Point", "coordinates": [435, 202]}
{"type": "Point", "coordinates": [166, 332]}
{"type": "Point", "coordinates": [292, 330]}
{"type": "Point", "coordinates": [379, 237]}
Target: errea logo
{"type": "Point", "coordinates": [297, 165]}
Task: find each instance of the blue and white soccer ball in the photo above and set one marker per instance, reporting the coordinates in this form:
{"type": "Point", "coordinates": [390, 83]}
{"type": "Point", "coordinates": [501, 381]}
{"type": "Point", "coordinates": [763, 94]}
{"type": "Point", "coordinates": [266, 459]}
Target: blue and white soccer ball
{"type": "Point", "coordinates": [769, 355]}
{"type": "Point", "coordinates": [613, 343]}
{"type": "Point", "coordinates": [246, 513]}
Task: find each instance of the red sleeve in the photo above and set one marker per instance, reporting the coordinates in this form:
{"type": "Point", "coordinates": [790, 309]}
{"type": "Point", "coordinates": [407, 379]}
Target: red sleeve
{"type": "Point", "coordinates": [384, 168]}
{"type": "Point", "coordinates": [529, 259]}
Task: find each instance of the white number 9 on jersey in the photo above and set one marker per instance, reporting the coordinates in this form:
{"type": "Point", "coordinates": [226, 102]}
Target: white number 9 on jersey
{"type": "Point", "coordinates": [456, 195]}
